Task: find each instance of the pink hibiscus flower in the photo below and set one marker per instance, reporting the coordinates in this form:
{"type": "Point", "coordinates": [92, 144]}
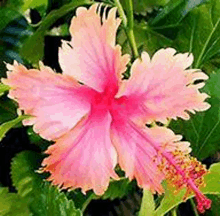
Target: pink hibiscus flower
{"type": "Point", "coordinates": [100, 123]}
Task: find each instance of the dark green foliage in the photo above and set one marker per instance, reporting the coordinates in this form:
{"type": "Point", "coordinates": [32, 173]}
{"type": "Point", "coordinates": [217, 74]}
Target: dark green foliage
{"type": "Point", "coordinates": [33, 49]}
{"type": "Point", "coordinates": [13, 33]}
{"type": "Point", "coordinates": [7, 109]}
{"type": "Point", "coordinates": [41, 197]}
{"type": "Point", "coordinates": [199, 33]}
{"type": "Point", "coordinates": [214, 211]}
{"type": "Point", "coordinates": [175, 11]}
{"type": "Point", "coordinates": [202, 129]}
{"type": "Point", "coordinates": [118, 189]}
{"type": "Point", "coordinates": [4, 128]}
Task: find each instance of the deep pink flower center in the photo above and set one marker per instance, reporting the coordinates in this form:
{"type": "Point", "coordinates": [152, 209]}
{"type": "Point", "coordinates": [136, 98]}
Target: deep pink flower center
{"type": "Point", "coordinates": [107, 101]}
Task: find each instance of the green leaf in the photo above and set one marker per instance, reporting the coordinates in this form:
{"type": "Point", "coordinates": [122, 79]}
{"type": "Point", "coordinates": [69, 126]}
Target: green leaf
{"type": "Point", "coordinates": [212, 180]}
{"type": "Point", "coordinates": [175, 11]}
{"type": "Point", "coordinates": [215, 209]}
{"type": "Point", "coordinates": [149, 39]}
{"type": "Point", "coordinates": [212, 65]}
{"type": "Point", "coordinates": [11, 38]}
{"type": "Point", "coordinates": [5, 127]}
{"type": "Point", "coordinates": [171, 200]}
{"type": "Point", "coordinates": [3, 88]}
{"type": "Point", "coordinates": [33, 49]}
{"type": "Point", "coordinates": [62, 30]}
{"type": "Point", "coordinates": [146, 39]}
{"type": "Point", "coordinates": [27, 4]}
{"type": "Point", "coordinates": [23, 5]}
{"type": "Point", "coordinates": [81, 200]}
{"type": "Point", "coordinates": [36, 139]}
{"type": "Point", "coordinates": [8, 109]}
{"type": "Point", "coordinates": [200, 33]}
{"type": "Point", "coordinates": [118, 189]}
{"type": "Point", "coordinates": [143, 6]}
{"type": "Point", "coordinates": [202, 129]}
{"type": "Point", "coordinates": [11, 204]}
{"type": "Point", "coordinates": [212, 86]}
{"type": "Point", "coordinates": [148, 204]}
{"type": "Point", "coordinates": [42, 198]}
{"type": "Point", "coordinates": [6, 16]}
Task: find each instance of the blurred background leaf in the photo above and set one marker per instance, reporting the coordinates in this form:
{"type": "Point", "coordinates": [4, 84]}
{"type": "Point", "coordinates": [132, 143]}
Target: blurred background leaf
{"type": "Point", "coordinates": [175, 11]}
{"type": "Point", "coordinates": [11, 204]}
{"type": "Point", "coordinates": [41, 197]}
{"type": "Point", "coordinates": [6, 16]}
{"type": "Point", "coordinates": [3, 88]}
{"type": "Point", "coordinates": [118, 189]}
{"type": "Point", "coordinates": [4, 128]}
{"type": "Point", "coordinates": [145, 6]}
{"type": "Point", "coordinates": [11, 40]}
{"type": "Point", "coordinates": [23, 5]}
{"type": "Point", "coordinates": [33, 49]}
{"type": "Point", "coordinates": [8, 109]}
{"type": "Point", "coordinates": [214, 211]}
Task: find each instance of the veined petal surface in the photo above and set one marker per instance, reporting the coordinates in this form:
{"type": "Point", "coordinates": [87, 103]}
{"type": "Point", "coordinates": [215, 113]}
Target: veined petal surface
{"type": "Point", "coordinates": [139, 151]}
{"type": "Point", "coordinates": [91, 56]}
{"type": "Point", "coordinates": [164, 87]}
{"type": "Point", "coordinates": [56, 102]}
{"type": "Point", "coordinates": [84, 157]}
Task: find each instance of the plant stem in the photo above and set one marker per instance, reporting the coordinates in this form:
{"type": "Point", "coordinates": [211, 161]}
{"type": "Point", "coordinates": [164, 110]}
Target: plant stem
{"type": "Point", "coordinates": [86, 203]}
{"type": "Point", "coordinates": [121, 13]}
{"type": "Point", "coordinates": [132, 42]}
{"type": "Point", "coordinates": [130, 14]}
{"type": "Point", "coordinates": [173, 212]}
{"type": "Point", "coordinates": [128, 23]}
{"type": "Point", "coordinates": [194, 207]}
{"type": "Point", "coordinates": [147, 205]}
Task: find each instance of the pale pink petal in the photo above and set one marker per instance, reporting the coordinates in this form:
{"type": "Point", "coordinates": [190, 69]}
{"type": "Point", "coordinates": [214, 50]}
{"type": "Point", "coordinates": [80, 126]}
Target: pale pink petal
{"type": "Point", "coordinates": [163, 87]}
{"type": "Point", "coordinates": [139, 150]}
{"type": "Point", "coordinates": [136, 157]}
{"type": "Point", "coordinates": [92, 56]}
{"type": "Point", "coordinates": [84, 158]}
{"type": "Point", "coordinates": [169, 141]}
{"type": "Point", "coordinates": [166, 58]}
{"type": "Point", "coordinates": [140, 78]}
{"type": "Point", "coordinates": [56, 101]}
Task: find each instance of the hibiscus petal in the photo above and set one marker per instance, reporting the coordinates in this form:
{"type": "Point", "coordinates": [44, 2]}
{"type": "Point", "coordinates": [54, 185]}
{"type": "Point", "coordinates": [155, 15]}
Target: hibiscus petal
{"type": "Point", "coordinates": [138, 148]}
{"type": "Point", "coordinates": [141, 151]}
{"type": "Point", "coordinates": [168, 140]}
{"type": "Point", "coordinates": [56, 101]}
{"type": "Point", "coordinates": [92, 56]}
{"type": "Point", "coordinates": [163, 87]}
{"type": "Point", "coordinates": [84, 157]}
